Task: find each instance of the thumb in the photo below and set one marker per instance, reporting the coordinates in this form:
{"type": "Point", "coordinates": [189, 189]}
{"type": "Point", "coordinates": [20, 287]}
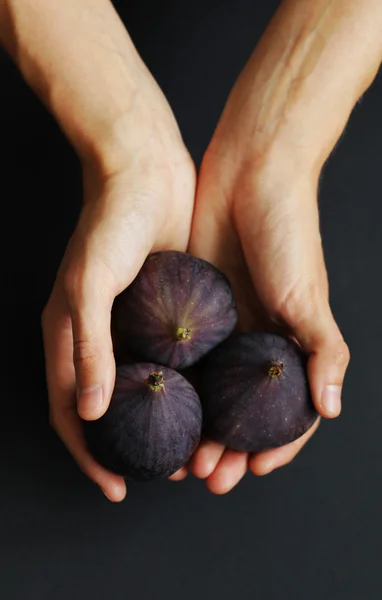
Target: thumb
{"type": "Point", "coordinates": [103, 257]}
{"type": "Point", "coordinates": [90, 305]}
{"type": "Point", "coordinates": [90, 292]}
{"type": "Point", "coordinates": [319, 335]}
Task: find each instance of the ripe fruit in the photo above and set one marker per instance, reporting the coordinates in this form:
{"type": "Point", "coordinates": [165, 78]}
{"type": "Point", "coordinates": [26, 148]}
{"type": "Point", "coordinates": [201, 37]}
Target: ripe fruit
{"type": "Point", "coordinates": [176, 310]}
{"type": "Point", "coordinates": [255, 392]}
{"type": "Point", "coordinates": [152, 426]}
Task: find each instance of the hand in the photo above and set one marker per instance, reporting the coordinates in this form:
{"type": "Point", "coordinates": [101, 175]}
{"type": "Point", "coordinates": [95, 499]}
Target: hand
{"type": "Point", "coordinates": [146, 205]}
{"type": "Point", "coordinates": [265, 237]}
{"type": "Point", "coordinates": [139, 185]}
{"type": "Point", "coordinates": [256, 214]}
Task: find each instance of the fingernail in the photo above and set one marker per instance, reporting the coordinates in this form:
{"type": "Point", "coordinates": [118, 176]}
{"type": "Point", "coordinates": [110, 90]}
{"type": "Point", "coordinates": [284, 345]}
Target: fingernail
{"type": "Point", "coordinates": [90, 398]}
{"type": "Point", "coordinates": [331, 399]}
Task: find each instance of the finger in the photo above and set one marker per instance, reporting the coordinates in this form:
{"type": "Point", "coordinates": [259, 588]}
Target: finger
{"type": "Point", "coordinates": [229, 471]}
{"type": "Point", "coordinates": [61, 382]}
{"type": "Point", "coordinates": [206, 458]}
{"type": "Point", "coordinates": [320, 337]}
{"type": "Point", "coordinates": [68, 426]}
{"type": "Point", "coordinates": [93, 356]}
{"type": "Point", "coordinates": [180, 474]}
{"type": "Point", "coordinates": [265, 462]}
{"type": "Point", "coordinates": [95, 274]}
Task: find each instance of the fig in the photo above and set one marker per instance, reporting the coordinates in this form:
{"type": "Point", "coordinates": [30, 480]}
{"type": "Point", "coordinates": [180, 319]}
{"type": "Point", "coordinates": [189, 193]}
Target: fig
{"type": "Point", "coordinates": [152, 426]}
{"type": "Point", "coordinates": [175, 311]}
{"type": "Point", "coordinates": [255, 392]}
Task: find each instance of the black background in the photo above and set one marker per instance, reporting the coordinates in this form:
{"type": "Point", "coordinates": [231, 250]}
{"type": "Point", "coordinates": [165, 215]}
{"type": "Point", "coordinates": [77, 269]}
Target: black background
{"type": "Point", "coordinates": [312, 530]}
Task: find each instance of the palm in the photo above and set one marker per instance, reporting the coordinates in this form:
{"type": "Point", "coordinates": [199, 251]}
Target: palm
{"type": "Point", "coordinates": [218, 237]}
{"type": "Point", "coordinates": [215, 237]}
{"type": "Point", "coordinates": [223, 249]}
{"type": "Point", "coordinates": [124, 218]}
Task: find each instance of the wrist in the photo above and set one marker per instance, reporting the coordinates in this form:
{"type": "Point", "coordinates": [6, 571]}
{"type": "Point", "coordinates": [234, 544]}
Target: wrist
{"type": "Point", "coordinates": [300, 85]}
{"type": "Point", "coordinates": [258, 160]}
{"type": "Point", "coordinates": [81, 62]}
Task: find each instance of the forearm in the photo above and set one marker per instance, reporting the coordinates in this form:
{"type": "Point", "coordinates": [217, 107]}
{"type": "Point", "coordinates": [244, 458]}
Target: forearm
{"type": "Point", "coordinates": [81, 62]}
{"type": "Point", "coordinates": [300, 85]}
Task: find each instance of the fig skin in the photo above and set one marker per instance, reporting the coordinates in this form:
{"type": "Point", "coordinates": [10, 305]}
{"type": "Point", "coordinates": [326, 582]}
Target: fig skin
{"type": "Point", "coordinates": [255, 392]}
{"type": "Point", "coordinates": [176, 310]}
{"type": "Point", "coordinates": [152, 426]}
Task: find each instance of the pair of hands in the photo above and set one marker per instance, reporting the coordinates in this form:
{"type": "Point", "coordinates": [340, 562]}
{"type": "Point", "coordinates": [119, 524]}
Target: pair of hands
{"type": "Point", "coordinates": [252, 211]}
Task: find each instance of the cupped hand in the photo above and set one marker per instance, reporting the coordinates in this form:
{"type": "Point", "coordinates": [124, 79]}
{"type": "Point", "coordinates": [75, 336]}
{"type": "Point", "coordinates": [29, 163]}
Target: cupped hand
{"type": "Point", "coordinates": [256, 214]}
{"type": "Point", "coordinates": [142, 205]}
{"type": "Point", "coordinates": [259, 224]}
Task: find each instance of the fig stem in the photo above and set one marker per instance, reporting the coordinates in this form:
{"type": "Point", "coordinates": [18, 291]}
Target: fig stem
{"type": "Point", "coordinates": [275, 369]}
{"type": "Point", "coordinates": [183, 334]}
{"type": "Point", "coordinates": [155, 381]}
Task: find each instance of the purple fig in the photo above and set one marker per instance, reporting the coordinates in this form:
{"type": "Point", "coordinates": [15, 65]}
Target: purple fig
{"type": "Point", "coordinates": [255, 392]}
{"type": "Point", "coordinates": [176, 310]}
{"type": "Point", "coordinates": [152, 426]}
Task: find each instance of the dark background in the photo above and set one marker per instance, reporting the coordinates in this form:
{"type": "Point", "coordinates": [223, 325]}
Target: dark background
{"type": "Point", "coordinates": [310, 531]}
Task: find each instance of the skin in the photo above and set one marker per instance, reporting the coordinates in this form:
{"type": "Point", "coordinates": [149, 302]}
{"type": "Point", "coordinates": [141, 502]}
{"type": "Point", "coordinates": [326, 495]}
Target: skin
{"type": "Point", "coordinates": [139, 187]}
{"type": "Point", "coordinates": [255, 204]}
{"type": "Point", "coordinates": [257, 194]}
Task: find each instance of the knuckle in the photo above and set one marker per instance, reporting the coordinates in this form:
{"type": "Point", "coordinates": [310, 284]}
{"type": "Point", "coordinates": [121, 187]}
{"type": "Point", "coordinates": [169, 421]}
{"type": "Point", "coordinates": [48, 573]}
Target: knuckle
{"type": "Point", "coordinates": [72, 281]}
{"type": "Point", "coordinates": [85, 354]}
{"type": "Point", "coordinates": [297, 305]}
{"type": "Point", "coordinates": [79, 284]}
{"type": "Point", "coordinates": [341, 356]}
